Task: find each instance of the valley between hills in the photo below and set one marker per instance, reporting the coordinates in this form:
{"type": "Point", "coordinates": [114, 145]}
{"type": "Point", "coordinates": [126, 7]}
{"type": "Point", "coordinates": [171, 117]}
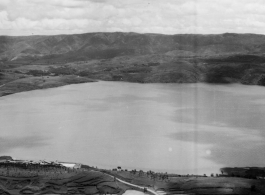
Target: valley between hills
{"type": "Point", "coordinates": [39, 62]}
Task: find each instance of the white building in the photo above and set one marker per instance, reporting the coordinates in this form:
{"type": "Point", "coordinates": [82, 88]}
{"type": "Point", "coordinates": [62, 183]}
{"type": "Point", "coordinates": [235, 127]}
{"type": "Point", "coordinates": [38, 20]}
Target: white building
{"type": "Point", "coordinates": [71, 165]}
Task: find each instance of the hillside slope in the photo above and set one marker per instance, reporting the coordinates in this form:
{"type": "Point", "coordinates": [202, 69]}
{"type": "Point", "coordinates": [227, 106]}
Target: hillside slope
{"type": "Point", "coordinates": [109, 45]}
{"type": "Point", "coordinates": [131, 57]}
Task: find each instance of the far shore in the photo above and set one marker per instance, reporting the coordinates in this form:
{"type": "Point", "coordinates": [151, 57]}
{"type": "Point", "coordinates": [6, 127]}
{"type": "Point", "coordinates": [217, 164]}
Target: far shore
{"type": "Point", "coordinates": [40, 82]}
{"type": "Point", "coordinates": [29, 83]}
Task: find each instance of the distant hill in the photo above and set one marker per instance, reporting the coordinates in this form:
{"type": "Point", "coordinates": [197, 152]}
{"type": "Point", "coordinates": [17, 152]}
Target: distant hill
{"type": "Point", "coordinates": [131, 57]}
{"type": "Point", "coordinates": [109, 45]}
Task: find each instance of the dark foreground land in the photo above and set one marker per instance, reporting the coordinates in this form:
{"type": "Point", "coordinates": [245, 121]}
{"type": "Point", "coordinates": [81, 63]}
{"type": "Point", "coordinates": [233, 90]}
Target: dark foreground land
{"type": "Point", "coordinates": [80, 182]}
{"type": "Point", "coordinates": [36, 62]}
{"type": "Point", "coordinates": [190, 184]}
{"type": "Point", "coordinates": [28, 177]}
{"type": "Point", "coordinates": [92, 182]}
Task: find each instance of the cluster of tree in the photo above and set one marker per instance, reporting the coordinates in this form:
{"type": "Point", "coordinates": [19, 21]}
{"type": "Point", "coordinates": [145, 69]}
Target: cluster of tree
{"type": "Point", "coordinates": [63, 70]}
{"type": "Point", "coordinates": [136, 69]}
{"type": "Point", "coordinates": [250, 173]}
{"type": "Point", "coordinates": [188, 175]}
{"type": "Point", "coordinates": [38, 73]}
{"type": "Point", "coordinates": [151, 174]}
{"type": "Point", "coordinates": [19, 169]}
{"type": "Point", "coordinates": [55, 71]}
{"type": "Point", "coordinates": [85, 73]}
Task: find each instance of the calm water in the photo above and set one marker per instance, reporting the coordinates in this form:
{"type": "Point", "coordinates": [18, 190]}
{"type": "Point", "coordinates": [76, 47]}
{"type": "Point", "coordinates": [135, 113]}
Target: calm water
{"type": "Point", "coordinates": [180, 128]}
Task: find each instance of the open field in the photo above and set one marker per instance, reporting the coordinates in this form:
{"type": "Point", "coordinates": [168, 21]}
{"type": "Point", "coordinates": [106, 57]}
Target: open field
{"type": "Point", "coordinates": [195, 184]}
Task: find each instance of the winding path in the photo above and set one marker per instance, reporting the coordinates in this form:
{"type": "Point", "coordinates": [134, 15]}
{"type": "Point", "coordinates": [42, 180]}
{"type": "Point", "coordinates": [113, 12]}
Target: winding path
{"type": "Point", "coordinates": [140, 187]}
{"type": "Point", "coordinates": [136, 186]}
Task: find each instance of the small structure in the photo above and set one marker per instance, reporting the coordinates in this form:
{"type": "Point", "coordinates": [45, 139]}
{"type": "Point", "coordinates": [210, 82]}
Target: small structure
{"type": "Point", "coordinates": [119, 169]}
{"type": "Point", "coordinates": [71, 165]}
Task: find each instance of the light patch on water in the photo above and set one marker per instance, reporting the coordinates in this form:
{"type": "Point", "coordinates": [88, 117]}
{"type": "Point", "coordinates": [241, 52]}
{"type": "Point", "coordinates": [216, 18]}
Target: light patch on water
{"type": "Point", "coordinates": [208, 152]}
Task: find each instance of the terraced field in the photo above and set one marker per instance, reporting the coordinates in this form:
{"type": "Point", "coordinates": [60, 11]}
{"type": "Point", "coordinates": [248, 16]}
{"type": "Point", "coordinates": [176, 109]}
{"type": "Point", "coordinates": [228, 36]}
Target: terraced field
{"type": "Point", "coordinates": [87, 182]}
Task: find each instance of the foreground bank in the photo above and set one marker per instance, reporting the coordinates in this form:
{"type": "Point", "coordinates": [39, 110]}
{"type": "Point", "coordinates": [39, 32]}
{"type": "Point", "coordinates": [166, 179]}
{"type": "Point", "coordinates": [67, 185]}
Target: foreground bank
{"type": "Point", "coordinates": [29, 177]}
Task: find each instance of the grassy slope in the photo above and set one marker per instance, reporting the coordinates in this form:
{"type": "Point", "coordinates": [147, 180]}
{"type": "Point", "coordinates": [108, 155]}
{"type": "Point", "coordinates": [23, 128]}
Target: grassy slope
{"type": "Point", "coordinates": [245, 69]}
{"type": "Point", "coordinates": [197, 185]}
{"type": "Point", "coordinates": [95, 182]}
{"type": "Point", "coordinates": [86, 182]}
{"type": "Point", "coordinates": [132, 57]}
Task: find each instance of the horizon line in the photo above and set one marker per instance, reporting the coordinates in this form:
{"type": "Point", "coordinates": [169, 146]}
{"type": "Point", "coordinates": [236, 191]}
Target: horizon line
{"type": "Point", "coordinates": [131, 32]}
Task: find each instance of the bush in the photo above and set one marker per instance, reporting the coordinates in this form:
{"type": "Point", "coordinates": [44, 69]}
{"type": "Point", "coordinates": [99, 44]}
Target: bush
{"type": "Point", "coordinates": [253, 188]}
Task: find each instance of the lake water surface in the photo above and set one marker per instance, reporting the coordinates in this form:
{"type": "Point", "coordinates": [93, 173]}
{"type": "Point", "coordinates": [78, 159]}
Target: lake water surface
{"type": "Point", "coordinates": [179, 128]}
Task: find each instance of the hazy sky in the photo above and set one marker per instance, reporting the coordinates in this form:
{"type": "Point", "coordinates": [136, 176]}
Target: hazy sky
{"type": "Point", "coordinates": [26, 17]}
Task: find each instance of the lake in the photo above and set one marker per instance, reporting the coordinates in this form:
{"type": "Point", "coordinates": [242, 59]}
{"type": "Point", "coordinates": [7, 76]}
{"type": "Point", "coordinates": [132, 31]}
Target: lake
{"type": "Point", "coordinates": [178, 128]}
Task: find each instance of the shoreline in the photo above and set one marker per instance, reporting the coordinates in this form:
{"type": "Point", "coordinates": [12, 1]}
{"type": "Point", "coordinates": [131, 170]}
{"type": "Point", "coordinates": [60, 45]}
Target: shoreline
{"type": "Point", "coordinates": [53, 178]}
{"type": "Point", "coordinates": [47, 82]}
{"type": "Point", "coordinates": [37, 83]}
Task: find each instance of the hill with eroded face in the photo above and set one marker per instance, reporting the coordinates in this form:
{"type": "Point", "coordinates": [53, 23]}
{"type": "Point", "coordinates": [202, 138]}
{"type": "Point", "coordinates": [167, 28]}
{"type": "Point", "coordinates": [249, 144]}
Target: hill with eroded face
{"type": "Point", "coordinates": [109, 45]}
{"type": "Point", "coordinates": [132, 57]}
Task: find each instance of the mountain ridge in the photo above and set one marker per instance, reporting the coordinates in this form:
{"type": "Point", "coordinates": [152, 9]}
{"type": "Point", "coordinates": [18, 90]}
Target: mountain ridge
{"type": "Point", "coordinates": [132, 57]}
{"type": "Point", "coordinates": [108, 45]}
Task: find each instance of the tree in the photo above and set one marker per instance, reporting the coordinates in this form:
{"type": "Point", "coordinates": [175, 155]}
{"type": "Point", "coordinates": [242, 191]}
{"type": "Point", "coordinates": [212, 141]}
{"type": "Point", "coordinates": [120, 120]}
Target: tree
{"type": "Point", "coordinates": [253, 188]}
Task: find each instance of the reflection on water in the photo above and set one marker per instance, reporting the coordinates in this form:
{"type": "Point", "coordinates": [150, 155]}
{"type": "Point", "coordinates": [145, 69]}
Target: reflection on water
{"type": "Point", "coordinates": [181, 128]}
